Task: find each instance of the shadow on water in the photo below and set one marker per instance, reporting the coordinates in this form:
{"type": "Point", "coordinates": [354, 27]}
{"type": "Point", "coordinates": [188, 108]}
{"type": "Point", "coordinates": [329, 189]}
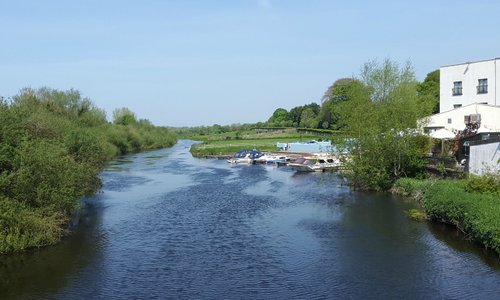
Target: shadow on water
{"type": "Point", "coordinates": [36, 273]}
{"type": "Point", "coordinates": [455, 239]}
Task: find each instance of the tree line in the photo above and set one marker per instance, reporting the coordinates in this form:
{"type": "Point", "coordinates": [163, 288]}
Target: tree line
{"type": "Point", "coordinates": [53, 145]}
{"type": "Point", "coordinates": [325, 116]}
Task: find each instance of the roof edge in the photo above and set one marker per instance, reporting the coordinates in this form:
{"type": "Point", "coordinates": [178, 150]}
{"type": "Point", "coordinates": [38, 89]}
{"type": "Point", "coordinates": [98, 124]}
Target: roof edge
{"type": "Point", "coordinates": [470, 62]}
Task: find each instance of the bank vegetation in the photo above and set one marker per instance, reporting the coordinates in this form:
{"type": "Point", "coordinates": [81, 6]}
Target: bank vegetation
{"type": "Point", "coordinates": [472, 205]}
{"type": "Point", "coordinates": [53, 145]}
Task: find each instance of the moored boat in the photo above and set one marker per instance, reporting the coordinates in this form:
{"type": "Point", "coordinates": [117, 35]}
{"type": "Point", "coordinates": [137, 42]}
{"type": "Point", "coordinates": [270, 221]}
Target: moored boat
{"type": "Point", "coordinates": [315, 163]}
{"type": "Point", "coordinates": [269, 158]}
{"type": "Point", "coordinates": [245, 156]}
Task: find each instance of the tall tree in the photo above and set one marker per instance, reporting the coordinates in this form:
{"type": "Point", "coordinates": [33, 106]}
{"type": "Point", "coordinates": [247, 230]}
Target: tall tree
{"type": "Point", "coordinates": [337, 93]}
{"type": "Point", "coordinates": [308, 118]}
{"type": "Point", "coordinates": [379, 115]}
{"type": "Point", "coordinates": [428, 91]}
{"type": "Point", "coordinates": [279, 118]}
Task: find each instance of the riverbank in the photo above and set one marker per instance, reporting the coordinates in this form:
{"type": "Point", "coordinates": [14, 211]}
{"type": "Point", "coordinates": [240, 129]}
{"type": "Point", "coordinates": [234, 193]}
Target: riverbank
{"type": "Point", "coordinates": [54, 145]}
{"type": "Point", "coordinates": [472, 205]}
{"type": "Point", "coordinates": [221, 146]}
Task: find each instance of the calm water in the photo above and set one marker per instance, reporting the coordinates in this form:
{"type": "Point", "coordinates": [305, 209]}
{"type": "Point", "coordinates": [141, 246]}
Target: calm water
{"type": "Point", "coordinates": [169, 226]}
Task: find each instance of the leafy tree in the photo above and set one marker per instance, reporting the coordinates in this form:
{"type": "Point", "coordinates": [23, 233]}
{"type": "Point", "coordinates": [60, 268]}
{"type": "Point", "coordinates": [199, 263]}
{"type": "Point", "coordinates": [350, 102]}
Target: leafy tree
{"type": "Point", "coordinates": [294, 115]}
{"type": "Point", "coordinates": [308, 118]}
{"type": "Point", "coordinates": [297, 113]}
{"type": "Point", "coordinates": [428, 90]}
{"type": "Point", "coordinates": [279, 118]}
{"type": "Point", "coordinates": [123, 116]}
{"type": "Point", "coordinates": [380, 113]}
{"type": "Point", "coordinates": [337, 93]}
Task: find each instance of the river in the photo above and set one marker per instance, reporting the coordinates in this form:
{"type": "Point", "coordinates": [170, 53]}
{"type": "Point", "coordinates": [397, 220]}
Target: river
{"type": "Point", "coordinates": [170, 226]}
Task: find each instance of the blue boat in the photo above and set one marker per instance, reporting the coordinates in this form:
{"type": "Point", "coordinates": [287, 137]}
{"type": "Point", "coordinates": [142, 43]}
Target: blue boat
{"type": "Point", "coordinates": [245, 156]}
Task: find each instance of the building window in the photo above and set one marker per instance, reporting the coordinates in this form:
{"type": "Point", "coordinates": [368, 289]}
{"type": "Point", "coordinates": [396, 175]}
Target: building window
{"type": "Point", "coordinates": [457, 106]}
{"type": "Point", "coordinates": [457, 88]}
{"type": "Point", "coordinates": [482, 87]}
{"type": "Point", "coordinates": [449, 120]}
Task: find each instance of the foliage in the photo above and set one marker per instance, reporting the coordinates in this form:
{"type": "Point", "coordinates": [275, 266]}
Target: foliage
{"type": "Point", "coordinates": [304, 116]}
{"type": "Point", "coordinates": [415, 188]}
{"type": "Point", "coordinates": [475, 214]}
{"type": "Point", "coordinates": [23, 227]}
{"type": "Point", "coordinates": [428, 91]}
{"type": "Point", "coordinates": [53, 145]}
{"type": "Point", "coordinates": [279, 118]}
{"type": "Point", "coordinates": [452, 201]}
{"type": "Point", "coordinates": [337, 93]}
{"type": "Point", "coordinates": [200, 131]}
{"type": "Point", "coordinates": [380, 115]}
{"type": "Point", "coordinates": [417, 215]}
{"type": "Point", "coordinates": [486, 184]}
{"type": "Point", "coordinates": [124, 116]}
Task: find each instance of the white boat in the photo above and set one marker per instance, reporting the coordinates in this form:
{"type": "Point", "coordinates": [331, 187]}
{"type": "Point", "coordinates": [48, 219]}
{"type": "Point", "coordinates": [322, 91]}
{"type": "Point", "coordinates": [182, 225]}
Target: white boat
{"type": "Point", "coordinates": [315, 163]}
{"type": "Point", "coordinates": [269, 158]}
{"type": "Point", "coordinates": [245, 156]}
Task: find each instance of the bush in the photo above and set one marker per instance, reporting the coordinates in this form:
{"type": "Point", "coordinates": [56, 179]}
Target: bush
{"type": "Point", "coordinates": [474, 213]}
{"type": "Point", "coordinates": [53, 145]}
{"type": "Point", "coordinates": [412, 187]}
{"type": "Point", "coordinates": [486, 184]}
{"type": "Point", "coordinates": [22, 227]}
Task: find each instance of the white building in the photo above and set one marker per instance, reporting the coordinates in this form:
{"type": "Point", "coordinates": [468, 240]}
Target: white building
{"type": "Point", "coordinates": [467, 83]}
{"type": "Point", "coordinates": [468, 91]}
{"type": "Point", "coordinates": [488, 116]}
{"type": "Point", "coordinates": [484, 157]}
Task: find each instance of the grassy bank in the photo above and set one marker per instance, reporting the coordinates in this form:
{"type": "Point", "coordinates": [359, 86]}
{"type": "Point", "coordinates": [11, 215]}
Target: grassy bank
{"type": "Point", "coordinates": [472, 205]}
{"type": "Point", "coordinates": [53, 146]}
{"type": "Point", "coordinates": [217, 145]}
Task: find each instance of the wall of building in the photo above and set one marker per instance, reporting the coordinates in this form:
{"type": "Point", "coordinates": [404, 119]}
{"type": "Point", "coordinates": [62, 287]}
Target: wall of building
{"type": "Point", "coordinates": [469, 74]}
{"type": "Point", "coordinates": [454, 120]}
{"type": "Point", "coordinates": [484, 158]}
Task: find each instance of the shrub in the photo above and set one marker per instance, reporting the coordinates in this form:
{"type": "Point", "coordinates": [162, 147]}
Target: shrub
{"type": "Point", "coordinates": [474, 213]}
{"type": "Point", "coordinates": [486, 184]}
{"type": "Point", "coordinates": [53, 145]}
{"type": "Point", "coordinates": [22, 227]}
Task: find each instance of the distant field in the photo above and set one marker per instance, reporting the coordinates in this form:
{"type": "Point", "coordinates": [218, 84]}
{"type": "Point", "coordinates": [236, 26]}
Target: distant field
{"type": "Point", "coordinates": [230, 146]}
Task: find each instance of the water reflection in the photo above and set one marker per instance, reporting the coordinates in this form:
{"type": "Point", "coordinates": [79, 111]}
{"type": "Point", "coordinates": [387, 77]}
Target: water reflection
{"type": "Point", "coordinates": [453, 238]}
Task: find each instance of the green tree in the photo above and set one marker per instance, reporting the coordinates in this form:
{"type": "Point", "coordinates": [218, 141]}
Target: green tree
{"type": "Point", "coordinates": [294, 115]}
{"type": "Point", "coordinates": [381, 112]}
{"type": "Point", "coordinates": [308, 118]}
{"type": "Point", "coordinates": [279, 118]}
{"type": "Point", "coordinates": [428, 91]}
{"type": "Point", "coordinates": [123, 116]}
{"type": "Point", "coordinates": [337, 93]}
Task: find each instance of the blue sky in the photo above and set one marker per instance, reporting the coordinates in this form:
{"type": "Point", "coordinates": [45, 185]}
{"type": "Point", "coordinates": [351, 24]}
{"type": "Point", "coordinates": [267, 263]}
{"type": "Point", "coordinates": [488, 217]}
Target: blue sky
{"type": "Point", "coordinates": [189, 63]}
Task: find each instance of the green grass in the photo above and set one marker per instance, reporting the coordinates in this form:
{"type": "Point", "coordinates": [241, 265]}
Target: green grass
{"type": "Point", "coordinates": [417, 215]}
{"type": "Point", "coordinates": [230, 146]}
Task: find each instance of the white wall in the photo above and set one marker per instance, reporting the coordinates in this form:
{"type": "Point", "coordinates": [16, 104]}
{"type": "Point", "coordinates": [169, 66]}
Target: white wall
{"type": "Point", "coordinates": [469, 74]}
{"type": "Point", "coordinates": [490, 118]}
{"type": "Point", "coordinates": [484, 158]}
